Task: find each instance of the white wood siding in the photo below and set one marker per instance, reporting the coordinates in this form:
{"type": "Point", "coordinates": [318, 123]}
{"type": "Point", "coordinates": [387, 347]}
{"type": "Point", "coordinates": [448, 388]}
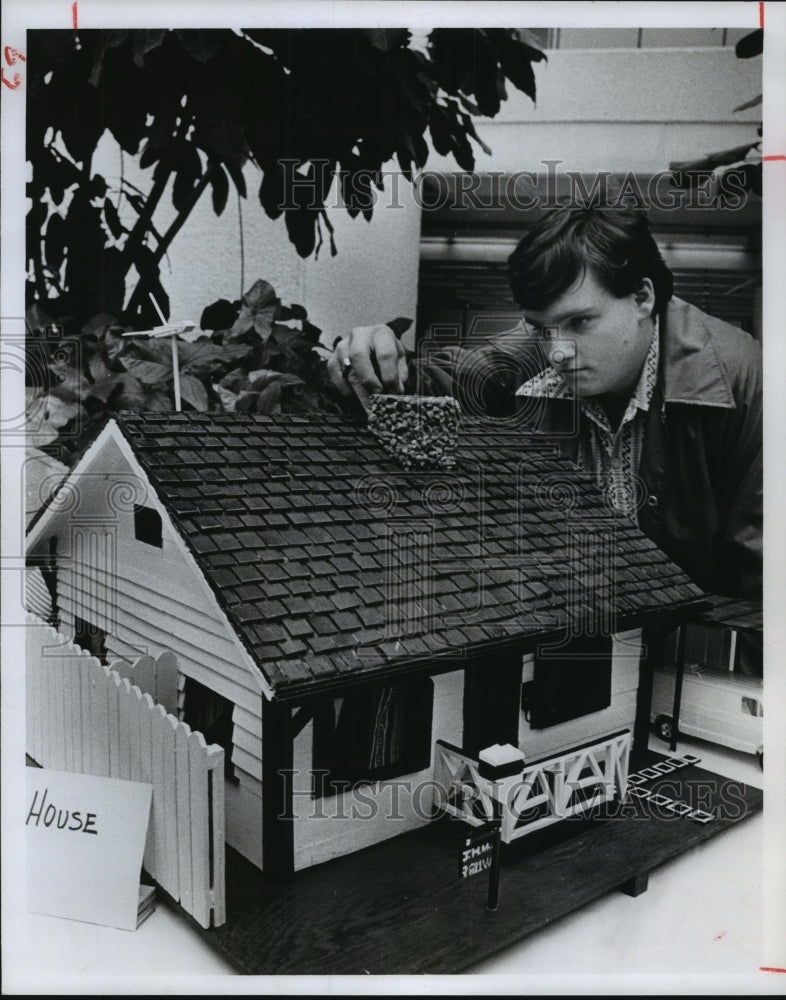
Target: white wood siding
{"type": "Point", "coordinates": [340, 824]}
{"type": "Point", "coordinates": [149, 600]}
{"type": "Point", "coordinates": [620, 714]}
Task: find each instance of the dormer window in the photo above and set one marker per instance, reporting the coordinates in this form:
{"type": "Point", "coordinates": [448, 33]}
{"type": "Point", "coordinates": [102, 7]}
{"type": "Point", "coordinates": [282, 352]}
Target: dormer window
{"type": "Point", "coordinates": [147, 525]}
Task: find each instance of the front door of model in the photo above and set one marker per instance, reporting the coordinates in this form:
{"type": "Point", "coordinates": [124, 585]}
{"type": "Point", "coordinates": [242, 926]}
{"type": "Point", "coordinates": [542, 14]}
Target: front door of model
{"type": "Point", "coordinates": [492, 692]}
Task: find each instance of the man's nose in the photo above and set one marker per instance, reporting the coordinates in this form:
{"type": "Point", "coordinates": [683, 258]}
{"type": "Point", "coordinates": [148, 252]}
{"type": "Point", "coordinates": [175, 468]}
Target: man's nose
{"type": "Point", "coordinates": [561, 352]}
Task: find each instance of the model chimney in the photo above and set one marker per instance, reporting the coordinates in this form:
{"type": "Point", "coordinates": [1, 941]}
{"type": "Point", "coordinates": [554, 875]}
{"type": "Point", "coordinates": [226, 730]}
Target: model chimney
{"type": "Point", "coordinates": [421, 432]}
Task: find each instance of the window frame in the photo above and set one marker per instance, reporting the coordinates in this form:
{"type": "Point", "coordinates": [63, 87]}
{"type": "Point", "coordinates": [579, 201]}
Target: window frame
{"type": "Point", "coordinates": [334, 769]}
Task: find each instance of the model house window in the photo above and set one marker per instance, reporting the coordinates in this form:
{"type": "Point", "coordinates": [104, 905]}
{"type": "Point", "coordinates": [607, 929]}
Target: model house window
{"type": "Point", "coordinates": [90, 637]}
{"type": "Point", "coordinates": [147, 525]}
{"type": "Point", "coordinates": [373, 734]}
{"type": "Point", "coordinates": [752, 706]}
{"type": "Point", "coordinates": [210, 714]}
{"type": "Point", "coordinates": [569, 681]}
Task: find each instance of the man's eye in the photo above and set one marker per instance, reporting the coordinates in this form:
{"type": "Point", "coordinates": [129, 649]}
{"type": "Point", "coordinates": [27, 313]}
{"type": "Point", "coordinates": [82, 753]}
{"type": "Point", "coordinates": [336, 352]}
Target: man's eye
{"type": "Point", "coordinates": [579, 323]}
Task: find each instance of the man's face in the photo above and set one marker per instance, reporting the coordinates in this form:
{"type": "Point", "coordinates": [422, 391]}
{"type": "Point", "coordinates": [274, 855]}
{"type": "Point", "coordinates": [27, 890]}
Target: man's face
{"type": "Point", "coordinates": [597, 341]}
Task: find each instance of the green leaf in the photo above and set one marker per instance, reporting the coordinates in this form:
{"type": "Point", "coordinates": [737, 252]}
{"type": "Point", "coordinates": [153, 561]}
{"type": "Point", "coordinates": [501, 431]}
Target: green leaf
{"type": "Point", "coordinates": [713, 160]}
{"type": "Point", "coordinates": [203, 351]}
{"type": "Point", "coordinates": [148, 157]}
{"type": "Point", "coordinates": [227, 398]}
{"type": "Point", "coordinates": [134, 395]}
{"type": "Point", "coordinates": [311, 333]}
{"type": "Point", "coordinates": [263, 321]}
{"type": "Point", "coordinates": [68, 384]}
{"type": "Point", "coordinates": [115, 346]}
{"type": "Point", "coordinates": [469, 125]}
{"type": "Point", "coordinates": [200, 45]}
{"type": "Point", "coordinates": [754, 102]}
{"type": "Point", "coordinates": [144, 41]}
{"type": "Point", "coordinates": [750, 45]}
{"type": "Point", "coordinates": [387, 39]}
{"type": "Point", "coordinates": [98, 325]}
{"type": "Point", "coordinates": [399, 325]}
{"type": "Point", "coordinates": [104, 387]}
{"type": "Point", "coordinates": [246, 402]}
{"type": "Point", "coordinates": [97, 186]}
{"type": "Point", "coordinates": [189, 170]}
{"type": "Point", "coordinates": [235, 380]}
{"type": "Point", "coordinates": [97, 368]}
{"type": "Point", "coordinates": [45, 416]}
{"type": "Point", "coordinates": [236, 173]}
{"type": "Point", "coordinates": [55, 241]}
{"type": "Point", "coordinates": [193, 392]}
{"type": "Point", "coordinates": [271, 190]}
{"type": "Point", "coordinates": [157, 349]}
{"type": "Point", "coordinates": [220, 185]}
{"type": "Point", "coordinates": [260, 298]}
{"type": "Point", "coordinates": [258, 380]}
{"type": "Point", "coordinates": [219, 315]}
{"type": "Point", "coordinates": [515, 57]}
{"type": "Point", "coordinates": [269, 399]}
{"type": "Point", "coordinates": [147, 372]}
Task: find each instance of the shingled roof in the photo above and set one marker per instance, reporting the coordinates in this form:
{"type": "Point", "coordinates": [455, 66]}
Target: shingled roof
{"type": "Point", "coordinates": [333, 563]}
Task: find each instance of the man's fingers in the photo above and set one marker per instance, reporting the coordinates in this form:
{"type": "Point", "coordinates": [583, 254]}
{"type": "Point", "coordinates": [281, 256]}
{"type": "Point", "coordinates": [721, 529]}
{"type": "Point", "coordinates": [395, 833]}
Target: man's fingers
{"type": "Point", "coordinates": [387, 350]}
{"type": "Point", "coordinates": [360, 351]}
{"type": "Point", "coordinates": [356, 386]}
{"type": "Point", "coordinates": [377, 362]}
{"type": "Point", "coordinates": [403, 371]}
{"type": "Point", "coordinates": [335, 367]}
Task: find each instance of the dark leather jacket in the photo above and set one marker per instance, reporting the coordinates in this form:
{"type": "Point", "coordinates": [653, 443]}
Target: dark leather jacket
{"type": "Point", "coordinates": [701, 466]}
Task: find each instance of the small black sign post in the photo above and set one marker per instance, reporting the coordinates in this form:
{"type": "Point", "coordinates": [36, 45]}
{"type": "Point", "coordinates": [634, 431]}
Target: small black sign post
{"type": "Point", "coordinates": [480, 853]}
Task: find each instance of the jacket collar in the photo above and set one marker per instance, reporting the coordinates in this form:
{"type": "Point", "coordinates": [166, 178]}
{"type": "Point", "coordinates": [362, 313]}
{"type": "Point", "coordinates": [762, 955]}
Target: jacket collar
{"type": "Point", "coordinates": [692, 371]}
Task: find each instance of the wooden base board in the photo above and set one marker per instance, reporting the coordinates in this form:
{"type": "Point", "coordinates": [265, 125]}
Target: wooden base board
{"type": "Point", "coordinates": [400, 908]}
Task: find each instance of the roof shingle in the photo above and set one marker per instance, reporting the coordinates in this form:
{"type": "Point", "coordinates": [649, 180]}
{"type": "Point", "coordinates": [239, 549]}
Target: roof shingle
{"type": "Point", "coordinates": [351, 564]}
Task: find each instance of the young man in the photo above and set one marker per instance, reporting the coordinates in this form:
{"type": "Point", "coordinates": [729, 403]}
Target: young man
{"type": "Point", "coordinates": [657, 401]}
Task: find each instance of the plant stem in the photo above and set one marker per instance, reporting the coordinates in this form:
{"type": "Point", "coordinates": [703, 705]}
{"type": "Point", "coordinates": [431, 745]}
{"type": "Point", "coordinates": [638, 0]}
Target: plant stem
{"type": "Point", "coordinates": [145, 218]}
{"type": "Point", "coordinates": [171, 233]}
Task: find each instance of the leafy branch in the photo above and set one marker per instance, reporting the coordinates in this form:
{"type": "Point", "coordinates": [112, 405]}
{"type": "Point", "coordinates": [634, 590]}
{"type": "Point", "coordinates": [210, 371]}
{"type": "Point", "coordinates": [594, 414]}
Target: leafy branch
{"type": "Point", "coordinates": [310, 108]}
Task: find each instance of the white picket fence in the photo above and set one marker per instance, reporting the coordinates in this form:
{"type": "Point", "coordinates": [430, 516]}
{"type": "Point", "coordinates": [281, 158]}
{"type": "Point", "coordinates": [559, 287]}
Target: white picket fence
{"type": "Point", "coordinates": [85, 717]}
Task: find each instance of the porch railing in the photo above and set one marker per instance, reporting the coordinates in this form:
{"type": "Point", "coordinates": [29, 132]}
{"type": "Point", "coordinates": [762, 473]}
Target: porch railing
{"type": "Point", "coordinates": [545, 792]}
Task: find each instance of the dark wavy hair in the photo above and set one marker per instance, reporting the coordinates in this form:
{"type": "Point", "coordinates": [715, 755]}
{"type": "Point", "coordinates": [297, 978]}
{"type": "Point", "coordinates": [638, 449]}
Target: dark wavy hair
{"type": "Point", "coordinates": [615, 244]}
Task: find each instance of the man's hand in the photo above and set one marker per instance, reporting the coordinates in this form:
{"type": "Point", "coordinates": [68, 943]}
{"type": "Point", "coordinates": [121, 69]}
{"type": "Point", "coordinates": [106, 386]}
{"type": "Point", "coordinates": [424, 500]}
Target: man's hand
{"type": "Point", "coordinates": [370, 360]}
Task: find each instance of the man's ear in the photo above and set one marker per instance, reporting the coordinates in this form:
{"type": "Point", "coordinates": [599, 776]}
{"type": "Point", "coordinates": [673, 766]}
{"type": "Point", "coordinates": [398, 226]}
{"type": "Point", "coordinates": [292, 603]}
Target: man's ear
{"type": "Point", "coordinates": [645, 299]}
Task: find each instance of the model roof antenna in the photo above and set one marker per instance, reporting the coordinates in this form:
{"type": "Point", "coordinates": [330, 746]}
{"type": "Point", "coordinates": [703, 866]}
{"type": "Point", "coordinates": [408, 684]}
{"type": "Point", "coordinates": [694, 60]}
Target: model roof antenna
{"type": "Point", "coordinates": [167, 330]}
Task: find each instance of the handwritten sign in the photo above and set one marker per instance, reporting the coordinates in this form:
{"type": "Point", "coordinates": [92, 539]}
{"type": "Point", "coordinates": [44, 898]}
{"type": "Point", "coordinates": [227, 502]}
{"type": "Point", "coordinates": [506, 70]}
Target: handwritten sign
{"type": "Point", "coordinates": [481, 853]}
{"type": "Point", "coordinates": [85, 837]}
{"type": "Point", "coordinates": [477, 854]}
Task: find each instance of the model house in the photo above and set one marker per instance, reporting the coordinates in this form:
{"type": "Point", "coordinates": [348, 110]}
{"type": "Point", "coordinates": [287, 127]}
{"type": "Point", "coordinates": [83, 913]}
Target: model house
{"type": "Point", "coordinates": [353, 633]}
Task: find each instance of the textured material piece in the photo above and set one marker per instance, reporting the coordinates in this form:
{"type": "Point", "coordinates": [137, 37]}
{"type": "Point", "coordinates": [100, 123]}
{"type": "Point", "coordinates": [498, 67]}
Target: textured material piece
{"type": "Point", "coordinates": [421, 432]}
{"type": "Point", "coordinates": [333, 562]}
